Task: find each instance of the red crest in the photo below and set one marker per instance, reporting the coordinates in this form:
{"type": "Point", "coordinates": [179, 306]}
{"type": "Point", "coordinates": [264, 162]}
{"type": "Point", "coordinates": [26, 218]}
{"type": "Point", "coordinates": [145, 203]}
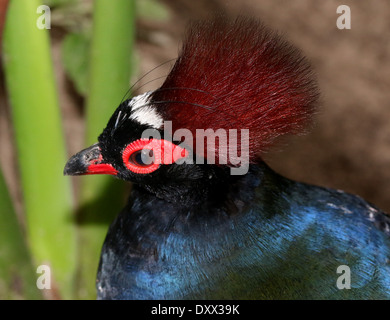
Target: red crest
{"type": "Point", "coordinates": [238, 75]}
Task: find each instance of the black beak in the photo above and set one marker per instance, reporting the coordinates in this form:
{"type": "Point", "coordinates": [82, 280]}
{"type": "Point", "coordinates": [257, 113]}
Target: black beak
{"type": "Point", "coordinates": [88, 161]}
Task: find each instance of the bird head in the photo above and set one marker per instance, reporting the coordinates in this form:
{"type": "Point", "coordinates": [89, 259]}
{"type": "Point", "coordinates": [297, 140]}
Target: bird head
{"type": "Point", "coordinates": [231, 77]}
{"type": "Point", "coordinates": [132, 146]}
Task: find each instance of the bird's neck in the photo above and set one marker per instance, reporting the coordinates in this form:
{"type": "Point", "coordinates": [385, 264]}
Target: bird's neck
{"type": "Point", "coordinates": [214, 208]}
{"type": "Point", "coordinates": [217, 188]}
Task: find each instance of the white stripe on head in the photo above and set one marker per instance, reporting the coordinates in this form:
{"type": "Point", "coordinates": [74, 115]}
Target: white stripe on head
{"type": "Point", "coordinates": [145, 113]}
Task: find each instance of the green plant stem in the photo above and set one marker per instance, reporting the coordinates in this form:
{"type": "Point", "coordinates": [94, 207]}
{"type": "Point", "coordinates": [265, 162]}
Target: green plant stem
{"type": "Point", "coordinates": [40, 145]}
{"type": "Point", "coordinates": [110, 64]}
{"type": "Point", "coordinates": [17, 277]}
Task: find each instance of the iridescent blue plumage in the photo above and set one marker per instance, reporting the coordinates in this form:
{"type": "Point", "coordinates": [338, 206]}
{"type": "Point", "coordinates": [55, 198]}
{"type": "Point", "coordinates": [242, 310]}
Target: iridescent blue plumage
{"type": "Point", "coordinates": [266, 238]}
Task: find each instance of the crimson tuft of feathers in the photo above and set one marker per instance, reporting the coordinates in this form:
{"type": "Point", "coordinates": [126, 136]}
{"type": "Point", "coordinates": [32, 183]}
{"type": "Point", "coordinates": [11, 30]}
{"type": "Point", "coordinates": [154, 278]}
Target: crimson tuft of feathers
{"type": "Point", "coordinates": [238, 74]}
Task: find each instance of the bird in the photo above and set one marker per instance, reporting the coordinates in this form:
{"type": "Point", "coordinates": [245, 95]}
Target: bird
{"type": "Point", "coordinates": [204, 221]}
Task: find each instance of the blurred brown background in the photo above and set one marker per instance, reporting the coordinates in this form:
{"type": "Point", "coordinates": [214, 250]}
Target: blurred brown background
{"type": "Point", "coordinates": [348, 149]}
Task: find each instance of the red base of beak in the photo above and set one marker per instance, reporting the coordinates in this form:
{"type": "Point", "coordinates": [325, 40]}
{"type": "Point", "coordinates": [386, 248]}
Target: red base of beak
{"type": "Point", "coordinates": [102, 168]}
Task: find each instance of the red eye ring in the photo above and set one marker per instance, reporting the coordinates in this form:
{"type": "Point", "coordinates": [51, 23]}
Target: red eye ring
{"type": "Point", "coordinates": [164, 152]}
{"type": "Point", "coordinates": [134, 147]}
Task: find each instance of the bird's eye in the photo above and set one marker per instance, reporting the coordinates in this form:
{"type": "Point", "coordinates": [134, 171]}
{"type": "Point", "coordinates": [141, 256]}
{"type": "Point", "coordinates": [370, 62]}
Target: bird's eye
{"type": "Point", "coordinates": [142, 158]}
{"type": "Point", "coordinates": [146, 155]}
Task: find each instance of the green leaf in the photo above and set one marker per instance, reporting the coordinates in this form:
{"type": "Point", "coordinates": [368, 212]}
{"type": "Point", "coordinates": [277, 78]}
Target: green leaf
{"type": "Point", "coordinates": [75, 50]}
{"type": "Point", "coordinates": [40, 145]}
{"type": "Point", "coordinates": [17, 278]}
